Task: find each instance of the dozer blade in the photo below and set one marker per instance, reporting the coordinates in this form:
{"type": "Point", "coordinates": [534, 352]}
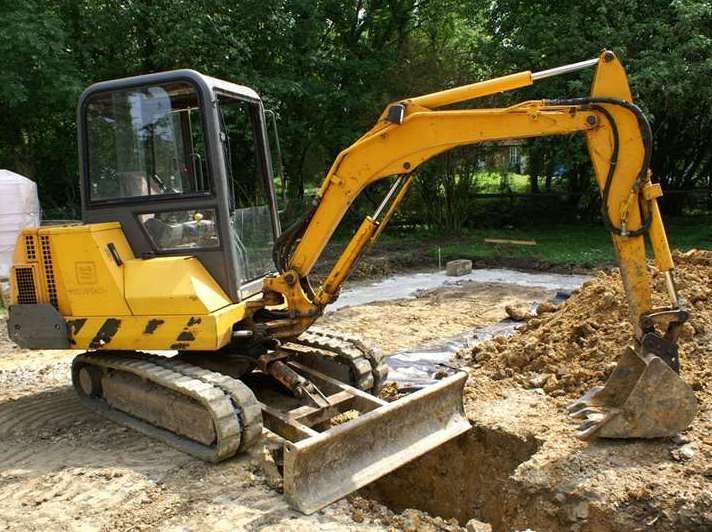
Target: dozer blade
{"type": "Point", "coordinates": [643, 398]}
{"type": "Point", "coordinates": [327, 466]}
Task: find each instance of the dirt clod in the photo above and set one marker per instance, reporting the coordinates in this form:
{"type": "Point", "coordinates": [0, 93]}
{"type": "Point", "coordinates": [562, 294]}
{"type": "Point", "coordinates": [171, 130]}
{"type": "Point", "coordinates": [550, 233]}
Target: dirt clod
{"type": "Point", "coordinates": [390, 392]}
{"type": "Point", "coordinates": [473, 525]}
{"type": "Point", "coordinates": [684, 453]}
{"type": "Point", "coordinates": [518, 313]}
{"type": "Point", "coordinates": [343, 417]}
{"type": "Point", "coordinates": [546, 308]}
{"type": "Point", "coordinates": [410, 520]}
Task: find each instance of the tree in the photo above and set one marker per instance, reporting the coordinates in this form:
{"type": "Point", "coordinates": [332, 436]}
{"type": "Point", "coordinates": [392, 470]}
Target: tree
{"type": "Point", "coordinates": [329, 67]}
{"type": "Point", "coordinates": [40, 84]}
{"type": "Point", "coordinates": [666, 47]}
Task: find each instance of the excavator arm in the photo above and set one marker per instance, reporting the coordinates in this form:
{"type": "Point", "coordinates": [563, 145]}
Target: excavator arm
{"type": "Point", "coordinates": [413, 131]}
{"type": "Point", "coordinates": [410, 133]}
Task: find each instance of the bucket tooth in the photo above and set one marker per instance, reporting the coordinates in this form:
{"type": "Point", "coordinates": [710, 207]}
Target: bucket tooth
{"type": "Point", "coordinates": [643, 398]}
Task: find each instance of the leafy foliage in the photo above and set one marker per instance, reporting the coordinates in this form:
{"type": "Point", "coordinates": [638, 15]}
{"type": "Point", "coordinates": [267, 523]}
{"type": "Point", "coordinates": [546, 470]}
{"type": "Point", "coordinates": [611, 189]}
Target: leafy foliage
{"type": "Point", "coordinates": [328, 68]}
{"type": "Point", "coordinates": [666, 47]}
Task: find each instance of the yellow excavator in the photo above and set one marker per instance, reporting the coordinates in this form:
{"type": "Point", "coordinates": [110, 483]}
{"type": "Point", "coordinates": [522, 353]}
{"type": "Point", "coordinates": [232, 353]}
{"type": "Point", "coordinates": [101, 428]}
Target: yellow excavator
{"type": "Point", "coordinates": [181, 251]}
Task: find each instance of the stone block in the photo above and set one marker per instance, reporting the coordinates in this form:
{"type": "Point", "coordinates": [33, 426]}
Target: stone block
{"type": "Point", "coordinates": [456, 268]}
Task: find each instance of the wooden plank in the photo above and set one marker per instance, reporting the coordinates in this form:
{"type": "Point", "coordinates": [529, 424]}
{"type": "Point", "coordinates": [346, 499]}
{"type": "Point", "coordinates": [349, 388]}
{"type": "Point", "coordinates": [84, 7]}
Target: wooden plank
{"type": "Point", "coordinates": [510, 242]}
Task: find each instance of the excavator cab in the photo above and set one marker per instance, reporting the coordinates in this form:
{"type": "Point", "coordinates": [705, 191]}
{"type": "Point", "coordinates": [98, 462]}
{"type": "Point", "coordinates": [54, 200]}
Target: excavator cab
{"type": "Point", "coordinates": [183, 162]}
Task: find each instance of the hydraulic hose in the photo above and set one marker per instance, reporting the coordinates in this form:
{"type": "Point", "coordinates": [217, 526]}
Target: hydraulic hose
{"type": "Point", "coordinates": [595, 103]}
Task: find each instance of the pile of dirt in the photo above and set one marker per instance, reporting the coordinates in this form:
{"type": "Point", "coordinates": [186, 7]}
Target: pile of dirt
{"type": "Point", "coordinates": [568, 351]}
{"type": "Point", "coordinates": [520, 465]}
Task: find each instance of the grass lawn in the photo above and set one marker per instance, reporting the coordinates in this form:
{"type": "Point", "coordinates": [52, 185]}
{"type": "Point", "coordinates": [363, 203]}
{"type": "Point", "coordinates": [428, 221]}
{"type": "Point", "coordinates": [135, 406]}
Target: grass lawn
{"type": "Point", "coordinates": [580, 245]}
{"type": "Point", "coordinates": [493, 182]}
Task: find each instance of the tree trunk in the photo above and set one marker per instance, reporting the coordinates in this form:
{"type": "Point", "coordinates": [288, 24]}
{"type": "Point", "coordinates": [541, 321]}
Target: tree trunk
{"type": "Point", "coordinates": [534, 183]}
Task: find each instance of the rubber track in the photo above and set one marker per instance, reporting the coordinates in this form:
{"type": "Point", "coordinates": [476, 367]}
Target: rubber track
{"type": "Point", "coordinates": [368, 369]}
{"type": "Point", "coordinates": [246, 406]}
{"type": "Point", "coordinates": [236, 415]}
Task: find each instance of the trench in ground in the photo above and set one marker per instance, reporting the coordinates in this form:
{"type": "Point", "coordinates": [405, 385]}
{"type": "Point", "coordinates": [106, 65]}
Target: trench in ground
{"type": "Point", "coordinates": [471, 476]}
{"type": "Point", "coordinates": [467, 478]}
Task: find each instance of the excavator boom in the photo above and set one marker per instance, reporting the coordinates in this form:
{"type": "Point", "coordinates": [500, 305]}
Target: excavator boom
{"type": "Point", "coordinates": [619, 141]}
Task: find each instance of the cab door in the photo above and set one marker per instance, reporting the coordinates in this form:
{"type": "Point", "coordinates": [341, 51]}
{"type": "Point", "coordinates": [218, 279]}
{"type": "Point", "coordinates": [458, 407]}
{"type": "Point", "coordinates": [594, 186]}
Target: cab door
{"type": "Point", "coordinates": [254, 222]}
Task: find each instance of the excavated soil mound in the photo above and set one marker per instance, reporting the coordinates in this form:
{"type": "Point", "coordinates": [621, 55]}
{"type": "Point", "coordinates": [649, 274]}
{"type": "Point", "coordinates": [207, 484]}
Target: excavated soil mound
{"type": "Point", "coordinates": [568, 351]}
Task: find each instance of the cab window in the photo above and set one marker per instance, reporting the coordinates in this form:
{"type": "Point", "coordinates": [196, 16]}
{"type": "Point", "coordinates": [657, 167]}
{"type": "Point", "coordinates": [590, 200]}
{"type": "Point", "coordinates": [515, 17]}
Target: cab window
{"type": "Point", "coordinates": [185, 229]}
{"type": "Point", "coordinates": [145, 141]}
{"type": "Point", "coordinates": [251, 219]}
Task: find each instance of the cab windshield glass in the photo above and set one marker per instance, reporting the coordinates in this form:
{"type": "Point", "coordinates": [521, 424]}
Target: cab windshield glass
{"type": "Point", "coordinates": [145, 141]}
{"type": "Point", "coordinates": [251, 220]}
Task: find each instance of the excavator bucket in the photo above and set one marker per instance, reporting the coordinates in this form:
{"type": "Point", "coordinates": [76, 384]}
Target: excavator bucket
{"type": "Point", "coordinates": [643, 398]}
{"type": "Point", "coordinates": [326, 466]}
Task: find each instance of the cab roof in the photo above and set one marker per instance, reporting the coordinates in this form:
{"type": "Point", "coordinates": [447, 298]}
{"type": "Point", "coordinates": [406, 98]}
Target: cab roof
{"type": "Point", "coordinates": [206, 83]}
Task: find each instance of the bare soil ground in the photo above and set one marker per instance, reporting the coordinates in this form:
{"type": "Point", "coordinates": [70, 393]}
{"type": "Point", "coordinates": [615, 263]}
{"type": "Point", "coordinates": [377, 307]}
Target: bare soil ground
{"type": "Point", "coordinates": [434, 314]}
{"type": "Point", "coordinates": [62, 467]}
{"type": "Point", "coordinates": [520, 467]}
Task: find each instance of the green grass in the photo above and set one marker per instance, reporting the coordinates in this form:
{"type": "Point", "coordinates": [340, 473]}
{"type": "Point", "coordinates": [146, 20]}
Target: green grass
{"type": "Point", "coordinates": [578, 245]}
{"type": "Point", "coordinates": [493, 182]}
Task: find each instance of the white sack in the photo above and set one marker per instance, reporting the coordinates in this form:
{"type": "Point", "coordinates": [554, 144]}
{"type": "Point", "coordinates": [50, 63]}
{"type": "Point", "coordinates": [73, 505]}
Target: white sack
{"type": "Point", "coordinates": [19, 207]}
